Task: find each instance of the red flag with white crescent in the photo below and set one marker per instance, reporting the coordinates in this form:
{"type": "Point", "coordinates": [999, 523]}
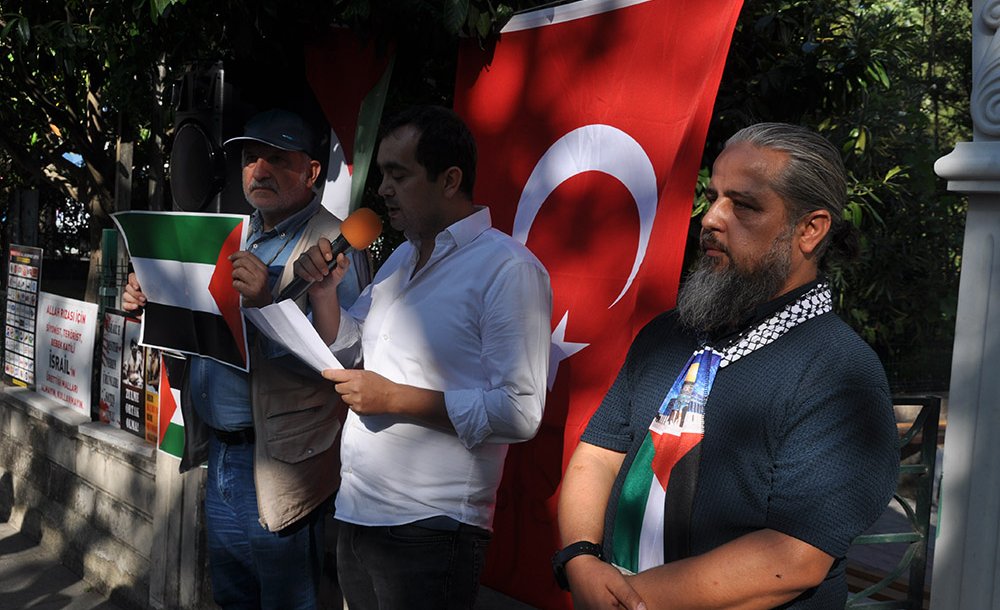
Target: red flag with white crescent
{"type": "Point", "coordinates": [590, 118]}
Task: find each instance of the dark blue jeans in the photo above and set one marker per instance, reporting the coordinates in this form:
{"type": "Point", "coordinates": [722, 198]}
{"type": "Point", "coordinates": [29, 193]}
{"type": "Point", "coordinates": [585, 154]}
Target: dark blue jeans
{"type": "Point", "coordinates": [410, 567]}
{"type": "Point", "coordinates": [251, 567]}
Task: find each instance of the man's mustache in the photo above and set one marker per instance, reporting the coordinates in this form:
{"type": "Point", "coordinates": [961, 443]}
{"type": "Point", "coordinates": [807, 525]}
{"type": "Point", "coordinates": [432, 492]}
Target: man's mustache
{"type": "Point", "coordinates": [267, 183]}
{"type": "Point", "coordinates": [709, 240]}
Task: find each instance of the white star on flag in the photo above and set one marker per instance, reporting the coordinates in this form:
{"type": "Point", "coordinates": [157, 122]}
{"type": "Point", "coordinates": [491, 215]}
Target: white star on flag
{"type": "Point", "coordinates": [561, 349]}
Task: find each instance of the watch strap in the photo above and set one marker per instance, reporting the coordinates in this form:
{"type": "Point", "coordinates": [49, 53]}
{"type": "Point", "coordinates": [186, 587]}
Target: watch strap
{"type": "Point", "coordinates": [559, 560]}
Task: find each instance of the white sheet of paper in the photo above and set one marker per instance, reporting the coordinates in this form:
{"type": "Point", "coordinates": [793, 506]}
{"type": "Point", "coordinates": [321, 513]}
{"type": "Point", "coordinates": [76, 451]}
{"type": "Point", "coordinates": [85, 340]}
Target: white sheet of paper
{"type": "Point", "coordinates": [284, 323]}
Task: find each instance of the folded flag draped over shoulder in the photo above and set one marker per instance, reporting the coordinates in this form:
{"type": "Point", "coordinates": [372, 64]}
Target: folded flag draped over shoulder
{"type": "Point", "coordinates": [182, 263]}
{"type": "Point", "coordinates": [669, 449]}
{"type": "Point", "coordinates": [590, 119]}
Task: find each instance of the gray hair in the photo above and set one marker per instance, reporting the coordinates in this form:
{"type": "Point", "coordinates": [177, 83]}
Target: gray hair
{"type": "Point", "coordinates": [813, 179]}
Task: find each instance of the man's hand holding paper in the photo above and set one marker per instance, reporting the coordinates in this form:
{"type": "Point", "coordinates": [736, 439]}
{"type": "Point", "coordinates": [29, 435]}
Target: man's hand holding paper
{"type": "Point", "coordinates": [285, 324]}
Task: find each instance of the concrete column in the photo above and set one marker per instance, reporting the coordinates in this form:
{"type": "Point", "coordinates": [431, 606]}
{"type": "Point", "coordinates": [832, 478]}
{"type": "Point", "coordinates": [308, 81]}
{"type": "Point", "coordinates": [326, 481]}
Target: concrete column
{"type": "Point", "coordinates": [179, 563]}
{"type": "Point", "coordinates": [967, 552]}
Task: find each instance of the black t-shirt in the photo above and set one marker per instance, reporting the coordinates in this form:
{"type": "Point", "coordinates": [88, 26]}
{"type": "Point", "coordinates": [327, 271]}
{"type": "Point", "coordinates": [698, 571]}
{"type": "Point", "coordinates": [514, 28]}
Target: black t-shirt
{"type": "Point", "coordinates": [800, 437]}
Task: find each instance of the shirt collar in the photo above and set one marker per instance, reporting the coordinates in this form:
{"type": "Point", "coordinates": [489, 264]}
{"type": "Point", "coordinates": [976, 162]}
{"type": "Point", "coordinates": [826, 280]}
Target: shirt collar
{"type": "Point", "coordinates": [467, 229]}
{"type": "Point", "coordinates": [292, 223]}
{"type": "Point", "coordinates": [472, 226]}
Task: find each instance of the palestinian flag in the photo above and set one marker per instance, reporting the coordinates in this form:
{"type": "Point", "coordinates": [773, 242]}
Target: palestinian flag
{"type": "Point", "coordinates": [182, 263]}
{"type": "Point", "coordinates": [654, 508]}
{"type": "Point", "coordinates": [170, 434]}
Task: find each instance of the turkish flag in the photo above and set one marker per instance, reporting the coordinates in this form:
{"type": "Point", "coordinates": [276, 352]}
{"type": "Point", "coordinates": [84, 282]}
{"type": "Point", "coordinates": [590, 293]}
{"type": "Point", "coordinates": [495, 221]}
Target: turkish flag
{"type": "Point", "coordinates": [590, 119]}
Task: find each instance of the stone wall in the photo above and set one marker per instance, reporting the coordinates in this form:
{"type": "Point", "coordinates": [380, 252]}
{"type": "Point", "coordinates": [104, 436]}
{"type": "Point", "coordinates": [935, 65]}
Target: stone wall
{"type": "Point", "coordinates": [104, 501]}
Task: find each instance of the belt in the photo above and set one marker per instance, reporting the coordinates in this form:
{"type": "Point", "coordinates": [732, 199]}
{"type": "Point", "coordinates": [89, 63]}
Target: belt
{"type": "Point", "coordinates": [443, 523]}
{"type": "Point", "coordinates": [235, 437]}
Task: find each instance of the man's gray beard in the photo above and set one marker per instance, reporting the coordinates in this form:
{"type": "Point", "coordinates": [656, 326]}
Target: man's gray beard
{"type": "Point", "coordinates": [718, 299]}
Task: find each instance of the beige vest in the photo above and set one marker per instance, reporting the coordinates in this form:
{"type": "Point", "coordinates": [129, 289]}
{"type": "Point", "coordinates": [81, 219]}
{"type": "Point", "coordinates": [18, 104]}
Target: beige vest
{"type": "Point", "coordinates": [297, 419]}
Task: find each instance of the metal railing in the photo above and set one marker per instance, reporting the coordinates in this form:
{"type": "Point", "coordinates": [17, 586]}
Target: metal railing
{"type": "Point", "coordinates": [917, 512]}
{"type": "Point", "coordinates": [113, 272]}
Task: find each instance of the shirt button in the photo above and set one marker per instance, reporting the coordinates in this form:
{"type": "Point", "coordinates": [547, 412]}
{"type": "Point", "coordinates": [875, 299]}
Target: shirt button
{"type": "Point", "coordinates": [254, 247]}
{"type": "Point", "coordinates": [204, 394]}
{"type": "Point", "coordinates": [385, 337]}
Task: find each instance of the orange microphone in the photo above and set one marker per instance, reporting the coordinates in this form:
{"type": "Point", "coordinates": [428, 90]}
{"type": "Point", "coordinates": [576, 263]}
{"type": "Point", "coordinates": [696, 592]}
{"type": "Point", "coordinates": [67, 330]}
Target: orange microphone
{"type": "Point", "coordinates": [358, 231]}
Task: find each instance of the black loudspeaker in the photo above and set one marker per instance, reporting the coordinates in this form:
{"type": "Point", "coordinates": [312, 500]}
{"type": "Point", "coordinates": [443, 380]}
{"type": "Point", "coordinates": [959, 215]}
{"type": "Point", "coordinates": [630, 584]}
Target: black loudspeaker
{"type": "Point", "coordinates": [202, 177]}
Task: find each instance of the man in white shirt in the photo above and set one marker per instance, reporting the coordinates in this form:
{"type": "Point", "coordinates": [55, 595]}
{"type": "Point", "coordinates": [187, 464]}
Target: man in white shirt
{"type": "Point", "coordinates": [455, 336]}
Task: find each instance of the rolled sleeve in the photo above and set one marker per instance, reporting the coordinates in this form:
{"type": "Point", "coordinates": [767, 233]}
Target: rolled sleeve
{"type": "Point", "coordinates": [347, 347]}
{"type": "Point", "coordinates": [467, 412]}
{"type": "Point", "coordinates": [516, 342]}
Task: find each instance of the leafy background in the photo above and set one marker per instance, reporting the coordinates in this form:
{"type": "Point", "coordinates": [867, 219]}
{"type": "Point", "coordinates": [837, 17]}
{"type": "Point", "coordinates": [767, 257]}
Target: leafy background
{"type": "Point", "coordinates": [86, 120]}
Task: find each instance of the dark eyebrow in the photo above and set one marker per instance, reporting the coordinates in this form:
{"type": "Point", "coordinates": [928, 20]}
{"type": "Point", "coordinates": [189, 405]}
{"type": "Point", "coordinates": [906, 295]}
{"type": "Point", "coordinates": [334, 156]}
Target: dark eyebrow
{"type": "Point", "coordinates": [750, 196]}
{"type": "Point", "coordinates": [390, 166]}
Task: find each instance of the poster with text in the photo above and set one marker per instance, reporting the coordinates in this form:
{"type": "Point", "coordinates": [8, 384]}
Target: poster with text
{"type": "Point", "coordinates": [133, 418]}
{"type": "Point", "coordinates": [112, 350]}
{"type": "Point", "coordinates": [152, 377]}
{"type": "Point", "coordinates": [65, 332]}
{"type": "Point", "coordinates": [24, 271]}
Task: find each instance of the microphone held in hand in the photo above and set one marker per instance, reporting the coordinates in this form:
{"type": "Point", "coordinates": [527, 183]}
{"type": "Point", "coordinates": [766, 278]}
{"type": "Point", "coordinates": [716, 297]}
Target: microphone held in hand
{"type": "Point", "coordinates": [358, 231]}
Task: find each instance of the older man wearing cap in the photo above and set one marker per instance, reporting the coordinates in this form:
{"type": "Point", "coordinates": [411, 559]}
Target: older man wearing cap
{"type": "Point", "coordinates": [269, 437]}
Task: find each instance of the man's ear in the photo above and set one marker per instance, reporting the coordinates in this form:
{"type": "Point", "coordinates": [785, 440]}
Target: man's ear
{"type": "Point", "coordinates": [314, 169]}
{"type": "Point", "coordinates": [811, 229]}
{"type": "Point", "coordinates": [452, 180]}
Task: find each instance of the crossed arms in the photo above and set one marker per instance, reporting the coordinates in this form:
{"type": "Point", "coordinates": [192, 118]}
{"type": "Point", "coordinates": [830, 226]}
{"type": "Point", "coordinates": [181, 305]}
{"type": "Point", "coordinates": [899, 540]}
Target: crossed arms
{"type": "Point", "coordinates": [763, 569]}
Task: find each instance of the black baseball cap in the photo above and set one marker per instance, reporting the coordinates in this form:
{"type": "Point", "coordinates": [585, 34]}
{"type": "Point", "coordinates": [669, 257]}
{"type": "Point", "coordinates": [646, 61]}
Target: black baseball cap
{"type": "Point", "coordinates": [280, 129]}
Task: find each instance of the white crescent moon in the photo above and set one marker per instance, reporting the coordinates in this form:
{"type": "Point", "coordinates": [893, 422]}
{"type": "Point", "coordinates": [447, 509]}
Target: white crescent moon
{"type": "Point", "coordinates": [600, 148]}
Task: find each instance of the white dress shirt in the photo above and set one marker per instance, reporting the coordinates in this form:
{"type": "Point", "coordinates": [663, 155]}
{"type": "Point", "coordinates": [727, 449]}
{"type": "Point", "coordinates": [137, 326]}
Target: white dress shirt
{"type": "Point", "coordinates": [473, 323]}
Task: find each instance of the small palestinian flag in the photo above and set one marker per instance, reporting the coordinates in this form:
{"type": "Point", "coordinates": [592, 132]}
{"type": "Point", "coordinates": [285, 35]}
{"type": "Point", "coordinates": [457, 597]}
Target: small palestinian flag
{"type": "Point", "coordinates": [182, 263]}
{"type": "Point", "coordinates": [170, 435]}
{"type": "Point", "coordinates": [659, 469]}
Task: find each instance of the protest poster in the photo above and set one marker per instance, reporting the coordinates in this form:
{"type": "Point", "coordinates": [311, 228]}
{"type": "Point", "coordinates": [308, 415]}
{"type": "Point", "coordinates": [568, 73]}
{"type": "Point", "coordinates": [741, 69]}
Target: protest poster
{"type": "Point", "coordinates": [65, 332]}
{"type": "Point", "coordinates": [24, 271]}
{"type": "Point", "coordinates": [112, 349]}
{"type": "Point", "coordinates": [133, 414]}
{"type": "Point", "coordinates": [152, 379]}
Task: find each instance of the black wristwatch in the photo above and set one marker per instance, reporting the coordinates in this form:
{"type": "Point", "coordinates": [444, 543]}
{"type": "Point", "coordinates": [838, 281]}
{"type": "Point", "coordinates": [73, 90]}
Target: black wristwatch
{"type": "Point", "coordinates": [561, 557]}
